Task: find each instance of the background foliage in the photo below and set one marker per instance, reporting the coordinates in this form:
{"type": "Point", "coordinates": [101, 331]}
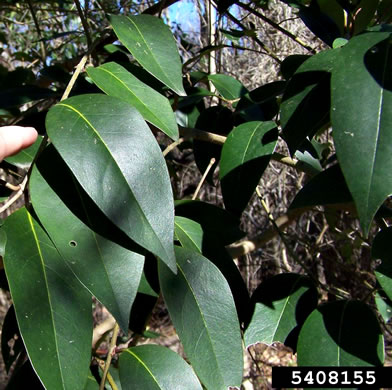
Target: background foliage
{"type": "Point", "coordinates": [235, 176]}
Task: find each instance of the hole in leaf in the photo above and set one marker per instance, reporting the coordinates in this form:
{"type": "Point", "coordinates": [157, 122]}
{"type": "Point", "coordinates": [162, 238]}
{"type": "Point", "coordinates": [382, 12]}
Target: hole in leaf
{"type": "Point", "coordinates": [73, 243]}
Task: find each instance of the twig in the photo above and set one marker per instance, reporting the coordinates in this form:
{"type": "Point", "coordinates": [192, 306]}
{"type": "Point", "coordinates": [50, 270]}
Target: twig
{"type": "Point", "coordinates": [244, 247]}
{"type": "Point", "coordinates": [85, 25]}
{"type": "Point", "coordinates": [276, 26]}
{"type": "Point", "coordinates": [36, 23]}
{"type": "Point", "coordinates": [110, 355]}
{"type": "Point", "coordinates": [268, 50]}
{"type": "Point", "coordinates": [212, 162]}
{"type": "Point", "coordinates": [9, 185]}
{"type": "Point", "coordinates": [201, 135]}
{"type": "Point", "coordinates": [12, 199]}
{"type": "Point", "coordinates": [101, 329]}
{"type": "Point", "coordinates": [172, 146]}
{"type": "Point", "coordinates": [108, 375]}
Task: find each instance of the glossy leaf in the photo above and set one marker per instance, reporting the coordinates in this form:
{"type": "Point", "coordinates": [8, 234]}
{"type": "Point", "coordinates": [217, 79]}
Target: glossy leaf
{"type": "Point", "coordinates": [227, 86]}
{"type": "Point", "coordinates": [381, 249]}
{"type": "Point", "coordinates": [192, 236]}
{"type": "Point", "coordinates": [110, 272]}
{"type": "Point", "coordinates": [245, 156]}
{"type": "Point", "coordinates": [116, 159]}
{"type": "Point", "coordinates": [116, 81]}
{"type": "Point", "coordinates": [25, 157]}
{"type": "Point", "coordinates": [202, 309]}
{"type": "Point", "coordinates": [384, 306]}
{"type": "Point", "coordinates": [152, 44]}
{"type": "Point", "coordinates": [342, 333]}
{"type": "Point", "coordinates": [91, 384]}
{"type": "Point", "coordinates": [299, 116]}
{"type": "Point", "coordinates": [281, 304]}
{"type": "Point", "coordinates": [46, 293]}
{"type": "Point", "coordinates": [153, 367]}
{"type": "Point", "coordinates": [189, 233]}
{"type": "Point", "coordinates": [362, 120]}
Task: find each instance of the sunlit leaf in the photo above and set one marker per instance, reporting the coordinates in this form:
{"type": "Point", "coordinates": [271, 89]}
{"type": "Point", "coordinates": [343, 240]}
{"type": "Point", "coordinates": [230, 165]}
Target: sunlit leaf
{"type": "Point", "coordinates": [110, 272]}
{"type": "Point", "coordinates": [362, 120]}
{"type": "Point", "coordinates": [152, 44]}
{"type": "Point", "coordinates": [281, 304]}
{"type": "Point", "coordinates": [153, 367]}
{"type": "Point", "coordinates": [331, 334]}
{"type": "Point", "coordinates": [202, 309]}
{"type": "Point", "coordinates": [245, 155]}
{"type": "Point", "coordinates": [116, 159]}
{"type": "Point", "coordinates": [116, 81]}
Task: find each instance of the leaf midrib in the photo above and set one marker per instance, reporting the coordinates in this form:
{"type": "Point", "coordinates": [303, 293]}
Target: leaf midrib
{"type": "Point", "coordinates": [145, 367]}
{"type": "Point", "coordinates": [37, 242]}
{"type": "Point", "coordinates": [140, 100]}
{"type": "Point", "coordinates": [379, 118]}
{"type": "Point", "coordinates": [203, 319]}
{"type": "Point", "coordinates": [141, 212]}
{"type": "Point", "coordinates": [152, 53]}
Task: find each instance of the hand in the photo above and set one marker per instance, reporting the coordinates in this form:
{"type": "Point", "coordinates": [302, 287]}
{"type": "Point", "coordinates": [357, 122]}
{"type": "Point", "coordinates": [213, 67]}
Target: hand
{"type": "Point", "coordinates": [15, 138]}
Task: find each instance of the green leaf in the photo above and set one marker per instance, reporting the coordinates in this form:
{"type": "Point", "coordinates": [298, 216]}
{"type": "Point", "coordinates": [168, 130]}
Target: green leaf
{"type": "Point", "coordinates": [326, 188]}
{"type": "Point", "coordinates": [116, 81]}
{"type": "Point", "coordinates": [381, 249]}
{"type": "Point", "coordinates": [227, 86]}
{"type": "Point", "coordinates": [202, 309]}
{"type": "Point", "coordinates": [91, 384]}
{"type": "Point", "coordinates": [299, 116]}
{"type": "Point", "coordinates": [384, 306]}
{"type": "Point", "coordinates": [364, 14]}
{"type": "Point", "coordinates": [152, 44]}
{"type": "Point", "coordinates": [52, 308]}
{"type": "Point", "coordinates": [3, 241]}
{"type": "Point", "coordinates": [216, 222]}
{"type": "Point", "coordinates": [362, 120]}
{"type": "Point", "coordinates": [192, 236]}
{"type": "Point", "coordinates": [116, 159]}
{"type": "Point", "coordinates": [110, 272]}
{"type": "Point", "coordinates": [281, 304]}
{"type": "Point", "coordinates": [153, 367]}
{"type": "Point", "coordinates": [342, 333]}
{"type": "Point", "coordinates": [189, 233]}
{"type": "Point", "coordinates": [26, 156]}
{"type": "Point", "coordinates": [245, 156]}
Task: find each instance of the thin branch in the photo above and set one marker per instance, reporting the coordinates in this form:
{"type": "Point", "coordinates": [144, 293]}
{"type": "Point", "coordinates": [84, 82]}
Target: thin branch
{"type": "Point", "coordinates": [85, 25]}
{"type": "Point", "coordinates": [38, 28]}
{"type": "Point", "coordinates": [268, 50]}
{"type": "Point", "coordinates": [276, 26]}
{"type": "Point", "coordinates": [201, 135]}
{"type": "Point", "coordinates": [172, 146]}
{"type": "Point", "coordinates": [244, 247]}
{"type": "Point", "coordinates": [112, 348]}
{"type": "Point", "coordinates": [212, 162]}
{"type": "Point", "coordinates": [101, 329]}
{"type": "Point", "coordinates": [12, 199]}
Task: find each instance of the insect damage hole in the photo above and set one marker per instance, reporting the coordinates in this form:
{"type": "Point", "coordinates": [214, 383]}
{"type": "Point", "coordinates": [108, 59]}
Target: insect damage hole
{"type": "Point", "coordinates": [73, 243]}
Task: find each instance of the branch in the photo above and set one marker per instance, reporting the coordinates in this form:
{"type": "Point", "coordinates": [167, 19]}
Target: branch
{"type": "Point", "coordinates": [201, 135]}
{"type": "Point", "coordinates": [85, 25]}
{"type": "Point", "coordinates": [158, 7]}
{"type": "Point", "coordinates": [268, 50]}
{"type": "Point", "coordinates": [110, 355]}
{"type": "Point", "coordinates": [242, 248]}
